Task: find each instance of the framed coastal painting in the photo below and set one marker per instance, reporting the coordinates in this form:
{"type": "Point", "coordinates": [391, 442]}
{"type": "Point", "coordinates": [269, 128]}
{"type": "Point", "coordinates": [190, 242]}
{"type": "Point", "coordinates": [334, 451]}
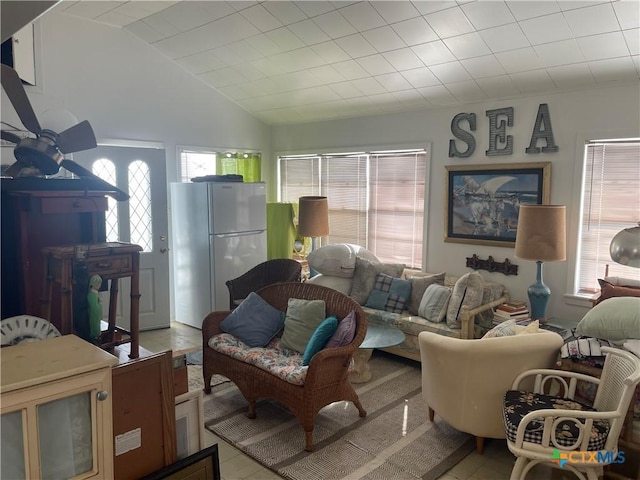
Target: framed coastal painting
{"type": "Point", "coordinates": [483, 201]}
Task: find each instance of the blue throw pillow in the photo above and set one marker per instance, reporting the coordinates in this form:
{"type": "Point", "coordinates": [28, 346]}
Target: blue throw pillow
{"type": "Point", "coordinates": [320, 337]}
{"type": "Point", "coordinates": [254, 322]}
{"type": "Point", "coordinates": [389, 293]}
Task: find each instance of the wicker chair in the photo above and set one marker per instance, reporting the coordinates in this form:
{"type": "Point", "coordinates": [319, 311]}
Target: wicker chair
{"type": "Point", "coordinates": [263, 274]}
{"type": "Point", "coordinates": [327, 377]}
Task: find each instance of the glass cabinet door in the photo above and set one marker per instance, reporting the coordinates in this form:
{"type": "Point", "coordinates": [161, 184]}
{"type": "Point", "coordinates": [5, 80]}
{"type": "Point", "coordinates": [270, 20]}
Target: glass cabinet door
{"type": "Point", "coordinates": [12, 460]}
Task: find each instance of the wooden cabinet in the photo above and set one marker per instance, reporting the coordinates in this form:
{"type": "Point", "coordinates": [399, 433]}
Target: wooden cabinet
{"type": "Point", "coordinates": [56, 410]}
{"type": "Point", "coordinates": [37, 213]}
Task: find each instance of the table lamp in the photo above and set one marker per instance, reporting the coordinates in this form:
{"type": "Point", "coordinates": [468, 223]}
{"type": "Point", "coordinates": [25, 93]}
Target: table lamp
{"type": "Point", "coordinates": [541, 236]}
{"type": "Point", "coordinates": [313, 219]}
{"type": "Point", "coordinates": [625, 247]}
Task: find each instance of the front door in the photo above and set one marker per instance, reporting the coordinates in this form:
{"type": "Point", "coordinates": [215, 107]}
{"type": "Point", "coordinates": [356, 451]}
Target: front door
{"type": "Point", "coordinates": [141, 220]}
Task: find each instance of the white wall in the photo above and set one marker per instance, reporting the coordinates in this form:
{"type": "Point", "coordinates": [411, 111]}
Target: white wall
{"type": "Point", "coordinates": [597, 113]}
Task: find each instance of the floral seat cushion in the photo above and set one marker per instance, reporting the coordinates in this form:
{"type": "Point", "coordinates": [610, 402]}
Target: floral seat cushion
{"type": "Point", "coordinates": [281, 362]}
{"type": "Point", "coordinates": [517, 404]}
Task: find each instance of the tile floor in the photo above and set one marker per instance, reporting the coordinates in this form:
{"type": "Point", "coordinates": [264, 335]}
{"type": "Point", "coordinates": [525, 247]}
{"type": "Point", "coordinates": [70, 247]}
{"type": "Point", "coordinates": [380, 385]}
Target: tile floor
{"type": "Point", "coordinates": [494, 464]}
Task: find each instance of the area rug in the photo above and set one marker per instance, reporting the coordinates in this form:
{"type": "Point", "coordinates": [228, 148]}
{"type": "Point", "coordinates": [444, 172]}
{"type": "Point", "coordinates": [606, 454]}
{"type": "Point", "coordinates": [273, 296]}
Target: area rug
{"type": "Point", "coordinates": [395, 440]}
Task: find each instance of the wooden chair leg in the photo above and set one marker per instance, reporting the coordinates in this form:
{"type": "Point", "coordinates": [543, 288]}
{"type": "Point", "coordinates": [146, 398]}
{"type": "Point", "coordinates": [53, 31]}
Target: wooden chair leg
{"type": "Point", "coordinates": [480, 445]}
{"type": "Point", "coordinates": [431, 414]}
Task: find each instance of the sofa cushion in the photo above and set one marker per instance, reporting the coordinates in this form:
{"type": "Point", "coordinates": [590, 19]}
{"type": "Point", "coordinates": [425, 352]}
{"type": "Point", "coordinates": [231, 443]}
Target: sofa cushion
{"type": "Point", "coordinates": [467, 291]}
{"type": "Point", "coordinates": [301, 320]}
{"type": "Point", "coordinates": [340, 284]}
{"type": "Point", "coordinates": [617, 318]}
{"type": "Point", "coordinates": [255, 322]}
{"type": "Point", "coordinates": [320, 337]}
{"type": "Point", "coordinates": [389, 293]}
{"type": "Point", "coordinates": [419, 286]}
{"type": "Point", "coordinates": [364, 277]}
{"type": "Point", "coordinates": [345, 332]}
{"type": "Point", "coordinates": [434, 303]}
{"type": "Point", "coordinates": [338, 259]}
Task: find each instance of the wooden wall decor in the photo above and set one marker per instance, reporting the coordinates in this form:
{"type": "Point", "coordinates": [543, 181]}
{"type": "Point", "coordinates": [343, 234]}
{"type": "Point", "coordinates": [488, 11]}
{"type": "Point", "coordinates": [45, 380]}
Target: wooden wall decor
{"type": "Point", "coordinates": [506, 267]}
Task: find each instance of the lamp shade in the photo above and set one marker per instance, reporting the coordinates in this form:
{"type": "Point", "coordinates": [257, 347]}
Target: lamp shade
{"type": "Point", "coordinates": [625, 247]}
{"type": "Point", "coordinates": [541, 234]}
{"type": "Point", "coordinates": [313, 217]}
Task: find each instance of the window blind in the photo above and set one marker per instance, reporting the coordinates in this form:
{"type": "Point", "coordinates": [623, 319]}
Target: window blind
{"type": "Point", "coordinates": [610, 202]}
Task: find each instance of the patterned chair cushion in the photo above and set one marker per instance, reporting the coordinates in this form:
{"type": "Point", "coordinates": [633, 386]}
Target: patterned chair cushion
{"type": "Point", "coordinates": [281, 362]}
{"type": "Point", "coordinates": [517, 404]}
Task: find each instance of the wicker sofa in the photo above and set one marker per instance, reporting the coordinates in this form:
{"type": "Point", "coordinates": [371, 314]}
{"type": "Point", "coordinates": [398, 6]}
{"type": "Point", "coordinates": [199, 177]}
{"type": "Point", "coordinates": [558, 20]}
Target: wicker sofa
{"type": "Point", "coordinates": [302, 389]}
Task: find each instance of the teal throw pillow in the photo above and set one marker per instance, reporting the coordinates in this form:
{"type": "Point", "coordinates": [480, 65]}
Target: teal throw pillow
{"type": "Point", "coordinates": [254, 322]}
{"type": "Point", "coordinates": [320, 338]}
{"type": "Point", "coordinates": [301, 320]}
{"type": "Point", "coordinates": [345, 332]}
{"type": "Point", "coordinates": [389, 293]}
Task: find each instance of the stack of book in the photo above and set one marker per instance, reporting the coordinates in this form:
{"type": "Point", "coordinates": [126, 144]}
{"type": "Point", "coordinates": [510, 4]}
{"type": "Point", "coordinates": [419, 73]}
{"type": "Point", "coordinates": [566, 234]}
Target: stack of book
{"type": "Point", "coordinates": [515, 310]}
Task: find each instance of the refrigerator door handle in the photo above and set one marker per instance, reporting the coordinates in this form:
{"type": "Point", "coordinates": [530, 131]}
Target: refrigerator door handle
{"type": "Point", "coordinates": [238, 234]}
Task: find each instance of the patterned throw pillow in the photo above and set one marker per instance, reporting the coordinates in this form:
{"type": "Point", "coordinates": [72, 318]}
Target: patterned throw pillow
{"type": "Point", "coordinates": [510, 327]}
{"type": "Point", "coordinates": [364, 277]}
{"type": "Point", "coordinates": [389, 294]}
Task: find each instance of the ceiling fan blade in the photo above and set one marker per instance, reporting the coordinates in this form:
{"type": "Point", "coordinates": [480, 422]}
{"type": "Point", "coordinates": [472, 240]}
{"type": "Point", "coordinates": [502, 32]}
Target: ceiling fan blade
{"type": "Point", "coordinates": [77, 138]}
{"type": "Point", "coordinates": [10, 137]}
{"type": "Point", "coordinates": [82, 172]}
{"type": "Point", "coordinates": [15, 91]}
{"type": "Point", "coordinates": [13, 170]}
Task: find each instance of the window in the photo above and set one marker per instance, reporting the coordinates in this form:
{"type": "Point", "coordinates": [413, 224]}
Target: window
{"type": "Point", "coordinates": [140, 221]}
{"type": "Point", "coordinates": [106, 170]}
{"type": "Point", "coordinates": [200, 163]}
{"type": "Point", "coordinates": [610, 202]}
{"type": "Point", "coordinates": [376, 199]}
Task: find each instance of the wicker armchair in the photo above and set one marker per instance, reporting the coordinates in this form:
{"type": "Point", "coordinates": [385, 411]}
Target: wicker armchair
{"type": "Point", "coordinates": [263, 274]}
{"type": "Point", "coordinates": [327, 377]}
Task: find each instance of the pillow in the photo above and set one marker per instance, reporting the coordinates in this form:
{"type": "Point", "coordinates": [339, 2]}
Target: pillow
{"type": "Point", "coordinates": [389, 294]}
{"type": "Point", "coordinates": [434, 303]}
{"type": "Point", "coordinates": [338, 259]}
{"type": "Point", "coordinates": [340, 284]}
{"type": "Point", "coordinates": [364, 277]}
{"type": "Point", "coordinates": [254, 322]}
{"type": "Point", "coordinates": [510, 327]}
{"type": "Point", "coordinates": [418, 287]}
{"type": "Point", "coordinates": [617, 318]}
{"type": "Point", "coordinates": [533, 327]}
{"type": "Point", "coordinates": [320, 337]}
{"type": "Point", "coordinates": [609, 290]}
{"type": "Point", "coordinates": [301, 320]}
{"type": "Point", "coordinates": [467, 291]}
{"type": "Point", "coordinates": [345, 332]}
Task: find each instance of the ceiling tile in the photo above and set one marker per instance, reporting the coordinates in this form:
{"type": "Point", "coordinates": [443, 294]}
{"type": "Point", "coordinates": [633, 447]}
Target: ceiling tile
{"type": "Point", "coordinates": [559, 53]}
{"type": "Point", "coordinates": [547, 29]}
{"type": "Point", "coordinates": [433, 53]}
{"type": "Point", "coordinates": [327, 74]}
{"type": "Point", "coordinates": [330, 52]}
{"type": "Point", "coordinates": [233, 92]}
{"type": "Point", "coordinates": [519, 60]}
{"type": "Point", "coordinates": [523, 10]}
{"type": "Point", "coordinates": [375, 64]}
{"type": "Point", "coordinates": [613, 69]}
{"type": "Point", "coordinates": [202, 62]}
{"type": "Point", "coordinates": [248, 71]}
{"type": "Point", "coordinates": [450, 72]}
{"type": "Point", "coordinates": [566, 5]}
{"type": "Point", "coordinates": [145, 32]}
{"type": "Point", "coordinates": [450, 22]}
{"type": "Point", "coordinates": [346, 89]}
{"type": "Point", "coordinates": [308, 32]}
{"type": "Point", "coordinates": [362, 16]}
{"type": "Point", "coordinates": [91, 9]}
{"type": "Point", "coordinates": [487, 14]}
{"type": "Point", "coordinates": [356, 46]}
{"type": "Point", "coordinates": [485, 66]}
{"type": "Point", "coordinates": [497, 87]}
{"type": "Point", "coordinates": [286, 12]}
{"type": "Point", "coordinates": [285, 39]}
{"type": "Point", "coordinates": [403, 59]}
{"type": "Point", "coordinates": [632, 37]}
{"type": "Point", "coordinates": [313, 8]}
{"type": "Point", "coordinates": [636, 62]}
{"type": "Point", "coordinates": [628, 14]}
{"type": "Point", "coordinates": [467, 91]}
{"type": "Point", "coordinates": [467, 46]}
{"type": "Point", "coordinates": [411, 98]}
{"type": "Point", "coordinates": [334, 25]}
{"type": "Point", "coordinates": [261, 18]}
{"type": "Point", "coordinates": [368, 86]}
{"type": "Point", "coordinates": [161, 25]}
{"type": "Point", "coordinates": [605, 45]}
{"type": "Point", "coordinates": [115, 18]}
{"type": "Point", "coordinates": [438, 95]}
{"type": "Point", "coordinates": [238, 5]}
{"type": "Point", "coordinates": [533, 81]}
{"type": "Point", "coordinates": [505, 37]}
{"type": "Point", "coordinates": [237, 52]}
{"type": "Point", "coordinates": [571, 76]}
{"type": "Point", "coordinates": [383, 39]}
{"type": "Point", "coordinates": [592, 20]}
{"type": "Point", "coordinates": [420, 77]}
{"type": "Point", "coordinates": [264, 45]}
{"type": "Point", "coordinates": [186, 16]}
{"type": "Point", "coordinates": [415, 31]}
{"type": "Point", "coordinates": [222, 77]}
{"type": "Point", "coordinates": [351, 70]}
{"type": "Point", "coordinates": [393, 82]}
{"type": "Point", "coordinates": [394, 11]}
{"type": "Point", "coordinates": [425, 7]}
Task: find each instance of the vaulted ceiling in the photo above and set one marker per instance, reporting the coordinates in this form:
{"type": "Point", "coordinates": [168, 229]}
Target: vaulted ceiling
{"type": "Point", "coordinates": [299, 61]}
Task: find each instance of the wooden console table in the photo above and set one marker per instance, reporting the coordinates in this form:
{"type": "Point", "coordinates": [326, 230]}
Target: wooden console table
{"type": "Point", "coordinates": [112, 261]}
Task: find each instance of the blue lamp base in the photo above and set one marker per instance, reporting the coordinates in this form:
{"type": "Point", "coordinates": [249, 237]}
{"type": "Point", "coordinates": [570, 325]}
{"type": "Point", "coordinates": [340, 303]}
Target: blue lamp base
{"type": "Point", "coordinates": [312, 272]}
{"type": "Point", "coordinates": [539, 295]}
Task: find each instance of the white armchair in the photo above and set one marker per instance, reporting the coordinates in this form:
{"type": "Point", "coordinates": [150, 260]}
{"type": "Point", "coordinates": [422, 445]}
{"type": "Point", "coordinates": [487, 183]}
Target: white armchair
{"type": "Point", "coordinates": [464, 381]}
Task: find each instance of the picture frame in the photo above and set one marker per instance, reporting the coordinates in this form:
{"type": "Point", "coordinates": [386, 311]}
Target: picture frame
{"type": "Point", "coordinates": [482, 201]}
{"type": "Point", "coordinates": [202, 465]}
{"type": "Point", "coordinates": [189, 423]}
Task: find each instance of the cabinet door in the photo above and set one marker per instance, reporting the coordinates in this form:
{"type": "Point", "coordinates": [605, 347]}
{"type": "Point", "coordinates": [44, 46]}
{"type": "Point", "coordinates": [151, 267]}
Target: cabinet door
{"type": "Point", "coordinates": [66, 426]}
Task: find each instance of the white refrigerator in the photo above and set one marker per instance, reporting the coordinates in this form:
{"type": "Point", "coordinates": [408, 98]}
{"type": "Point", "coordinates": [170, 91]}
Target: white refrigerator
{"type": "Point", "coordinates": [219, 232]}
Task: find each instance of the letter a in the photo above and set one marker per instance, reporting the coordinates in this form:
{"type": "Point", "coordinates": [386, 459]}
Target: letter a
{"type": "Point", "coordinates": [542, 130]}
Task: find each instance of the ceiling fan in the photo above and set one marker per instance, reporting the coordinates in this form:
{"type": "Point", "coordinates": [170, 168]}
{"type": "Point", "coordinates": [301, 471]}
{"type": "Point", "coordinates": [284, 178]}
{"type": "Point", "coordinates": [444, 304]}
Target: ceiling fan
{"type": "Point", "coordinates": [46, 151]}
